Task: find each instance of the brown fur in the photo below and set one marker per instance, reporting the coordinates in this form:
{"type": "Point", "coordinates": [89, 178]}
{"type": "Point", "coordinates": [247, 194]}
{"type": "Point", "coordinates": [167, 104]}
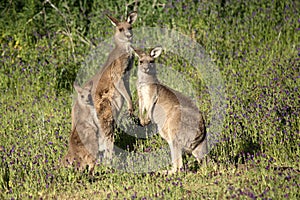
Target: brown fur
{"type": "Point", "coordinates": [178, 118]}
{"type": "Point", "coordinates": [111, 84]}
{"type": "Point", "coordinates": [78, 155]}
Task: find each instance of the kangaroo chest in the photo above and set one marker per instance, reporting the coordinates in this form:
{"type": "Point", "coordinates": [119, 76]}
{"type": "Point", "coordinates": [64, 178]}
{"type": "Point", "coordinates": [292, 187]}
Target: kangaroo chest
{"type": "Point", "coordinates": [87, 118]}
{"type": "Point", "coordinates": [112, 74]}
{"type": "Point", "coordinates": [147, 93]}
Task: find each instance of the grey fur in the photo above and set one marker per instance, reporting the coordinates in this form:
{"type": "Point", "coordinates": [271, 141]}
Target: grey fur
{"type": "Point", "coordinates": [83, 142]}
{"type": "Point", "coordinates": [178, 119]}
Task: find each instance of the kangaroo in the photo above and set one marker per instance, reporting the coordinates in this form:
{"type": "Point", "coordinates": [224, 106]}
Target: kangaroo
{"type": "Point", "coordinates": [111, 83]}
{"type": "Point", "coordinates": [178, 119]}
{"type": "Point", "coordinates": [83, 141]}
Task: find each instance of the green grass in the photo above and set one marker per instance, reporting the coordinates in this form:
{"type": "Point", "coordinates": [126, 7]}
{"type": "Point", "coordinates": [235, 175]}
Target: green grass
{"type": "Point", "coordinates": [254, 44]}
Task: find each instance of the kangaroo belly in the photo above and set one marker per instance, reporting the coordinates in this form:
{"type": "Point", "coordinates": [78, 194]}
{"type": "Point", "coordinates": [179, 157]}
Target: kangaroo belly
{"type": "Point", "coordinates": [192, 129]}
{"type": "Point", "coordinates": [159, 116]}
{"type": "Point", "coordinates": [147, 96]}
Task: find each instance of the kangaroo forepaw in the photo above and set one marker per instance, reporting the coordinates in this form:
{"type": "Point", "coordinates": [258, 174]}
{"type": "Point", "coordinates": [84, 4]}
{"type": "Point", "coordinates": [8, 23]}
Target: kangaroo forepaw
{"type": "Point", "coordinates": [145, 122]}
{"type": "Point", "coordinates": [136, 120]}
{"type": "Point", "coordinates": [130, 111]}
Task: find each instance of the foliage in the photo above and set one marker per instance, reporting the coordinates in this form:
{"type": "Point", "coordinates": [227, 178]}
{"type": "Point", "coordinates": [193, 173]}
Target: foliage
{"type": "Point", "coordinates": [255, 44]}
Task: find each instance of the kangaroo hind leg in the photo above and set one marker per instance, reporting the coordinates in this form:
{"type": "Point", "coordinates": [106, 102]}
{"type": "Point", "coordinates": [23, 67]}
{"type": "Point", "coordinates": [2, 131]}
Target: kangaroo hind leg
{"type": "Point", "coordinates": [176, 154]}
{"type": "Point", "coordinates": [200, 151]}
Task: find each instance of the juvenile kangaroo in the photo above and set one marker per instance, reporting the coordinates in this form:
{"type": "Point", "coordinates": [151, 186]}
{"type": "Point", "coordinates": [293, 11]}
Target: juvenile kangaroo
{"type": "Point", "coordinates": [177, 117]}
{"type": "Point", "coordinates": [83, 142]}
{"type": "Point", "coordinates": [111, 83]}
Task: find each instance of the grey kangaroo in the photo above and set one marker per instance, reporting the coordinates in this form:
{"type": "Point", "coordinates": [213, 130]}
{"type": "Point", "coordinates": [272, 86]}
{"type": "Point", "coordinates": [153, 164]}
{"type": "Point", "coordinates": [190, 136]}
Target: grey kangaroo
{"type": "Point", "coordinates": [111, 83]}
{"type": "Point", "coordinates": [178, 119]}
{"type": "Point", "coordinates": [83, 142]}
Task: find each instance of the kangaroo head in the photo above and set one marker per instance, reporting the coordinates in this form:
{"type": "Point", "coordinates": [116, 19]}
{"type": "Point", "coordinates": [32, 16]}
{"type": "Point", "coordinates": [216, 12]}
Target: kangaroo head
{"type": "Point", "coordinates": [123, 32]}
{"type": "Point", "coordinates": [84, 94]}
{"type": "Point", "coordinates": [146, 61]}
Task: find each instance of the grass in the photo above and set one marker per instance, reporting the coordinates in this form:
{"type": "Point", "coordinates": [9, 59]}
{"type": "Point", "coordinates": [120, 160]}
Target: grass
{"type": "Point", "coordinates": [255, 45]}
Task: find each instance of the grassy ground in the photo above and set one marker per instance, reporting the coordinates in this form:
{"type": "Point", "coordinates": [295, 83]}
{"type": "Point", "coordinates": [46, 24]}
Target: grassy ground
{"type": "Point", "coordinates": [254, 44]}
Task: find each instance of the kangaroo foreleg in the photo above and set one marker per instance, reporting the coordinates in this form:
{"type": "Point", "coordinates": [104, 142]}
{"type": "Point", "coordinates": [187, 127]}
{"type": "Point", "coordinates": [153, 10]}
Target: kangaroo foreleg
{"type": "Point", "coordinates": [120, 87]}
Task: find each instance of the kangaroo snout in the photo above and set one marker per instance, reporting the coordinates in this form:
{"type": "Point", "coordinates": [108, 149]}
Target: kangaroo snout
{"type": "Point", "coordinates": [128, 34]}
{"type": "Point", "coordinates": [90, 98]}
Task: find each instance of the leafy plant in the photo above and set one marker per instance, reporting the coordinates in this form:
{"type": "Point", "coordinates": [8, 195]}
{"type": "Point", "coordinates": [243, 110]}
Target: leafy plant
{"type": "Point", "coordinates": [255, 44]}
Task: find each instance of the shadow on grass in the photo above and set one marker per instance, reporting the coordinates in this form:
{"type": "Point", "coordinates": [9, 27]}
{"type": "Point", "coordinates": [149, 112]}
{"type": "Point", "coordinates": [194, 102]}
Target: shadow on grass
{"type": "Point", "coordinates": [223, 152]}
{"type": "Point", "coordinates": [126, 141]}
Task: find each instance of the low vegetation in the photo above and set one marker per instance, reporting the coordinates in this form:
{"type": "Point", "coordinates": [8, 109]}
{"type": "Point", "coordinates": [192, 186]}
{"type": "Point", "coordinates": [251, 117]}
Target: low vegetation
{"type": "Point", "coordinates": [254, 44]}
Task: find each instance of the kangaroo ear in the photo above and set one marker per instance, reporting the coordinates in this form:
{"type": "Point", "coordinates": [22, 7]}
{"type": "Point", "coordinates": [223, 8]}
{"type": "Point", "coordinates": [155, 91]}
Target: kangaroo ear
{"type": "Point", "coordinates": [89, 86]}
{"type": "Point", "coordinates": [113, 20]}
{"type": "Point", "coordinates": [155, 52]}
{"type": "Point", "coordinates": [137, 52]}
{"type": "Point", "coordinates": [77, 87]}
{"type": "Point", "coordinates": [132, 17]}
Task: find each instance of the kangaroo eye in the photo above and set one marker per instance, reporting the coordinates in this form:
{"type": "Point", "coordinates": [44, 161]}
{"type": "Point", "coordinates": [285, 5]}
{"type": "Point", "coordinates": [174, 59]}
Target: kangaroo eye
{"type": "Point", "coordinates": [152, 61]}
{"type": "Point", "coordinates": [141, 62]}
{"type": "Point", "coordinates": [121, 29]}
{"type": "Point", "coordinates": [82, 96]}
{"type": "Point", "coordinates": [129, 28]}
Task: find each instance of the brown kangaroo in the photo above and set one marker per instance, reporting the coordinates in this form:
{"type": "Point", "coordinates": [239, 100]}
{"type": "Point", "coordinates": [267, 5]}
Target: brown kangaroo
{"type": "Point", "coordinates": [178, 119]}
{"type": "Point", "coordinates": [83, 142]}
{"type": "Point", "coordinates": [111, 83]}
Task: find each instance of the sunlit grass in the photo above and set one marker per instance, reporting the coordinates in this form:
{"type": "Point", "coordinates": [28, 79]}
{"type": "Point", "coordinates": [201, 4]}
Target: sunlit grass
{"type": "Point", "coordinates": [255, 46]}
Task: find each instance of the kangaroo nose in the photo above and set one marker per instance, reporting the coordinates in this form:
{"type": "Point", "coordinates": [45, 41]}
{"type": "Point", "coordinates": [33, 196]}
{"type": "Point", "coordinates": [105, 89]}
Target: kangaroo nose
{"type": "Point", "coordinates": [90, 98]}
{"type": "Point", "coordinates": [128, 34]}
